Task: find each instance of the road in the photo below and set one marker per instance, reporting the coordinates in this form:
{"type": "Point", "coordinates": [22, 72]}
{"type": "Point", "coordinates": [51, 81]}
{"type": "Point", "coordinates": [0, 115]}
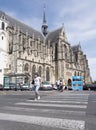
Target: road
{"type": "Point", "coordinates": [68, 110]}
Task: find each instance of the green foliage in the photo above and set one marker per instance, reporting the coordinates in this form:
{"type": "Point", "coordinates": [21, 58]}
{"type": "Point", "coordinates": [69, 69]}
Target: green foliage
{"type": "Point", "coordinates": [94, 82]}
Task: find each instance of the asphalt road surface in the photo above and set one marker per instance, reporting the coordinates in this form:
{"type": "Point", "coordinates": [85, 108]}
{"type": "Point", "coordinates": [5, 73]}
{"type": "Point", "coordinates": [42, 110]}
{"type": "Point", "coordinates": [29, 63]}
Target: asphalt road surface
{"type": "Point", "coordinates": [68, 110]}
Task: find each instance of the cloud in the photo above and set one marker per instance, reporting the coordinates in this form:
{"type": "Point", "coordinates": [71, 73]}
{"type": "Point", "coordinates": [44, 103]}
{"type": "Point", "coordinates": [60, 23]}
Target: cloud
{"type": "Point", "coordinates": [34, 22]}
{"type": "Point", "coordinates": [82, 36]}
{"type": "Point", "coordinates": [79, 19]}
{"type": "Point", "coordinates": [72, 9]}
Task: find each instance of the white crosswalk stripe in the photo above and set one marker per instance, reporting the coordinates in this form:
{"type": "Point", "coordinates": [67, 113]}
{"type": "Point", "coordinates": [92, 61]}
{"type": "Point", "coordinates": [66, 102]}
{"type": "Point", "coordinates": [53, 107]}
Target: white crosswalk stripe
{"type": "Point", "coordinates": [47, 111]}
{"type": "Point", "coordinates": [64, 101]}
{"type": "Point", "coordinates": [52, 105]}
{"type": "Point", "coordinates": [44, 110]}
{"type": "Point", "coordinates": [49, 122]}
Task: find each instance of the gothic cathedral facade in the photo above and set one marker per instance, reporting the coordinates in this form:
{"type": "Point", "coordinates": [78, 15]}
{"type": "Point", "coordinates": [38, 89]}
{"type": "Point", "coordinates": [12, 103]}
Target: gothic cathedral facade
{"type": "Point", "coordinates": [24, 51]}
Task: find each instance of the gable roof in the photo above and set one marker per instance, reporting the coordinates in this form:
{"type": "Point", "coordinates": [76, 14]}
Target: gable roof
{"type": "Point", "coordinates": [53, 35]}
{"type": "Point", "coordinates": [24, 28]}
{"type": "Point", "coordinates": [76, 48]}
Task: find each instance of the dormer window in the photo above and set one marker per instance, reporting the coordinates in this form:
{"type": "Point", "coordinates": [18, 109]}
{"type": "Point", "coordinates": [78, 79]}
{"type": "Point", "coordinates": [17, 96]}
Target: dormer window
{"type": "Point", "coordinates": [3, 26]}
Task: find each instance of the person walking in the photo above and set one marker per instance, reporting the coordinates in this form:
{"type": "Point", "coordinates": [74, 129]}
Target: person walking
{"type": "Point", "coordinates": [61, 85]}
{"type": "Point", "coordinates": [58, 84]}
{"type": "Point", "coordinates": [37, 83]}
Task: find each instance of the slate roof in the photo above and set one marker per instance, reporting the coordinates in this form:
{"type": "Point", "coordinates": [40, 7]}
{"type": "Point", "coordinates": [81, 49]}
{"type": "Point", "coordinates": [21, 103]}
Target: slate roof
{"type": "Point", "coordinates": [76, 48]}
{"type": "Point", "coordinates": [53, 35]}
{"type": "Point", "coordinates": [13, 22]}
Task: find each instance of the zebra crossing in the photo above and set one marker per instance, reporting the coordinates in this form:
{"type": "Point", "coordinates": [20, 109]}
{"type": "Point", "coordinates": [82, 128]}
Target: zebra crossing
{"type": "Point", "coordinates": [61, 111]}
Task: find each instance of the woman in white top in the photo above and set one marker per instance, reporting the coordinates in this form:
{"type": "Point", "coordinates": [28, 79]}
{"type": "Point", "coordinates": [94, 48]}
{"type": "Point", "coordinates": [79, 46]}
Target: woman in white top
{"type": "Point", "coordinates": [37, 84]}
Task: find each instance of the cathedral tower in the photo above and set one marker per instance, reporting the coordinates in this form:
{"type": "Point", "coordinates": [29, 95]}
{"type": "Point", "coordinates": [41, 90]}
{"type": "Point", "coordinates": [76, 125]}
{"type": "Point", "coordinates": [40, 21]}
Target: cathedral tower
{"type": "Point", "coordinates": [44, 25]}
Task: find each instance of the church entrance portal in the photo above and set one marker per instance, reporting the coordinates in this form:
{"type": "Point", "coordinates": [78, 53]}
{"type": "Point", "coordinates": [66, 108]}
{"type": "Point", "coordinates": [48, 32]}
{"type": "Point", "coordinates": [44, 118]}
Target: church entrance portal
{"type": "Point", "coordinates": [69, 82]}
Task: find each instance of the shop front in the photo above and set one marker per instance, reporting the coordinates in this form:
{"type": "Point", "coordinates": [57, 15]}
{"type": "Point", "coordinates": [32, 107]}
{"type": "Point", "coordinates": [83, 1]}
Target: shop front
{"type": "Point", "coordinates": [11, 81]}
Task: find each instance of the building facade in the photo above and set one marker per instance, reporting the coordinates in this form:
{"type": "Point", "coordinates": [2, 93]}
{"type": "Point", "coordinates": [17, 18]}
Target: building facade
{"type": "Point", "coordinates": [24, 51]}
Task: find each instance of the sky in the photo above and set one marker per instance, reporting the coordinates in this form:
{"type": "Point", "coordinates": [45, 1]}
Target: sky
{"type": "Point", "coordinates": [78, 17]}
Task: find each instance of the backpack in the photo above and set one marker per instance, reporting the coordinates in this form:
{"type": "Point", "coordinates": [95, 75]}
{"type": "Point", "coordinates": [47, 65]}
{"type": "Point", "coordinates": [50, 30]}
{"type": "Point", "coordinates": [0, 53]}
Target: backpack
{"type": "Point", "coordinates": [33, 81]}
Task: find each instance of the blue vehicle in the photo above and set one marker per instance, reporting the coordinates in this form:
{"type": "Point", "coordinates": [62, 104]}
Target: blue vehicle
{"type": "Point", "coordinates": [77, 83]}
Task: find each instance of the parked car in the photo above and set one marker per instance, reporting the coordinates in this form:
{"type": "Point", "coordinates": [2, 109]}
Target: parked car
{"type": "Point", "coordinates": [25, 86]}
{"type": "Point", "coordinates": [89, 87]}
{"type": "Point", "coordinates": [18, 87]}
{"type": "Point", "coordinates": [54, 86]}
{"type": "Point", "coordinates": [12, 86]}
{"type": "Point", "coordinates": [69, 87]}
{"type": "Point", "coordinates": [6, 87]}
{"type": "Point", "coordinates": [46, 86]}
{"type": "Point", "coordinates": [1, 87]}
{"type": "Point", "coordinates": [85, 87]}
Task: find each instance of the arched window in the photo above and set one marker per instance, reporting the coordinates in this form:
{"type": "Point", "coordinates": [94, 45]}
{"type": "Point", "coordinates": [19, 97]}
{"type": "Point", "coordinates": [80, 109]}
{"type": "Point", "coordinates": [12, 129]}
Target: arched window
{"type": "Point", "coordinates": [69, 82]}
{"type": "Point", "coordinates": [10, 66]}
{"type": "Point", "coordinates": [56, 52]}
{"type": "Point", "coordinates": [26, 79]}
{"type": "Point", "coordinates": [80, 74]}
{"type": "Point", "coordinates": [10, 48]}
{"type": "Point", "coordinates": [33, 71]}
{"type": "Point", "coordinates": [76, 57]}
{"type": "Point", "coordinates": [40, 71]}
{"type": "Point", "coordinates": [65, 50]}
{"type": "Point", "coordinates": [26, 67]}
{"type": "Point", "coordinates": [47, 74]}
{"type": "Point", "coordinates": [75, 73]}
{"type": "Point", "coordinates": [23, 43]}
{"type": "Point", "coordinates": [3, 26]}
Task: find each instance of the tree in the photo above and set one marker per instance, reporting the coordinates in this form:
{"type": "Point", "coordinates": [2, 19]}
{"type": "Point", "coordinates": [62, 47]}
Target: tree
{"type": "Point", "coordinates": [94, 82]}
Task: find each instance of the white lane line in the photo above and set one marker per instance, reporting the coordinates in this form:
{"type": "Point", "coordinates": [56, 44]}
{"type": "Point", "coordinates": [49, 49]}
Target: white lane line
{"type": "Point", "coordinates": [51, 105]}
{"type": "Point", "coordinates": [51, 101]}
{"type": "Point", "coordinates": [65, 99]}
{"type": "Point", "coordinates": [38, 110]}
{"type": "Point", "coordinates": [81, 98]}
{"type": "Point", "coordinates": [65, 93]}
{"type": "Point", "coordinates": [72, 94]}
{"type": "Point", "coordinates": [69, 96]}
{"type": "Point", "coordinates": [44, 121]}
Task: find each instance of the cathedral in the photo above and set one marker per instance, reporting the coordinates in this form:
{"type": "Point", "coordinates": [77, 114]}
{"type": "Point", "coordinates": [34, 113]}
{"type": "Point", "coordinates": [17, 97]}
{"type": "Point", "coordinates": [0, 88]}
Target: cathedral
{"type": "Point", "coordinates": [24, 51]}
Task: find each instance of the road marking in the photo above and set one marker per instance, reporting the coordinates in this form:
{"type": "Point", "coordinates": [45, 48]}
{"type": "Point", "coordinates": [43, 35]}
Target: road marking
{"type": "Point", "coordinates": [37, 110]}
{"type": "Point", "coordinates": [93, 101]}
{"type": "Point", "coordinates": [51, 105]}
{"type": "Point", "coordinates": [65, 99]}
{"type": "Point", "coordinates": [43, 121]}
{"type": "Point", "coordinates": [51, 101]}
{"type": "Point", "coordinates": [72, 94]}
{"type": "Point", "coordinates": [71, 97]}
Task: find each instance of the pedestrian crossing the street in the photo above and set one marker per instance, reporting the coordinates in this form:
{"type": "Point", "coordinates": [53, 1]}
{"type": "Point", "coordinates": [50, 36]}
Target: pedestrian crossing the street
{"type": "Point", "coordinates": [61, 111]}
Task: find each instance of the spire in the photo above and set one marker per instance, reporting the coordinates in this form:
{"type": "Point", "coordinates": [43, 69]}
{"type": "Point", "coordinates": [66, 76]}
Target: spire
{"type": "Point", "coordinates": [44, 17]}
{"type": "Point", "coordinates": [44, 25]}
